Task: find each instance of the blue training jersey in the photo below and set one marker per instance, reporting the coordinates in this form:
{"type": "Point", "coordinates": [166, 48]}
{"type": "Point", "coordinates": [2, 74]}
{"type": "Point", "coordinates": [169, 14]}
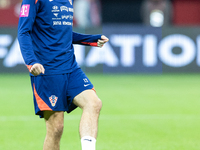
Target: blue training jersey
{"type": "Point", "coordinates": [45, 35]}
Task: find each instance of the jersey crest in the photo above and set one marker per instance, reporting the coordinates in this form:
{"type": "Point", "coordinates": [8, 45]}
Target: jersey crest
{"type": "Point", "coordinates": [53, 99]}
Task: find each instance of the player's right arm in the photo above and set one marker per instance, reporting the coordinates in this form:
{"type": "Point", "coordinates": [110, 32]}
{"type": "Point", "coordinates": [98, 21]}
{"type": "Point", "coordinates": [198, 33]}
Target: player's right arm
{"type": "Point", "coordinates": [37, 69]}
{"type": "Point", "coordinates": [27, 18]}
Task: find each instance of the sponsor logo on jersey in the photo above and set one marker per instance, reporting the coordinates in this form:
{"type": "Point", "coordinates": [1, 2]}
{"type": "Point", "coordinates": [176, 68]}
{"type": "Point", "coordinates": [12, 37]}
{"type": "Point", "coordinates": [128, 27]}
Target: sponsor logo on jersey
{"type": "Point", "coordinates": [71, 10]}
{"type": "Point", "coordinates": [55, 14]}
{"type": "Point", "coordinates": [67, 17]}
{"type": "Point", "coordinates": [70, 1]}
{"type": "Point", "coordinates": [25, 10]}
{"type": "Point", "coordinates": [53, 99]}
{"type": "Point", "coordinates": [67, 23]}
{"type": "Point", "coordinates": [55, 8]}
{"type": "Point", "coordinates": [71, 17]}
{"type": "Point", "coordinates": [57, 23]}
{"type": "Point", "coordinates": [64, 8]}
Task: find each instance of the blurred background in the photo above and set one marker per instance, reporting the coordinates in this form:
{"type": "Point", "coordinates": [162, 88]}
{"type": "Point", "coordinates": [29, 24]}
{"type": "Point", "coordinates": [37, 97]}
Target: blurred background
{"type": "Point", "coordinates": [146, 36]}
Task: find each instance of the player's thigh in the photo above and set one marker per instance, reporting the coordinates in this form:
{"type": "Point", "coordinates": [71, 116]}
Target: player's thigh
{"type": "Point", "coordinates": [87, 98]}
{"type": "Point", "coordinates": [54, 120]}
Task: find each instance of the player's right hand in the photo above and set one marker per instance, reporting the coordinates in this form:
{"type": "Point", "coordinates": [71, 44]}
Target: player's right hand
{"type": "Point", "coordinates": [37, 69]}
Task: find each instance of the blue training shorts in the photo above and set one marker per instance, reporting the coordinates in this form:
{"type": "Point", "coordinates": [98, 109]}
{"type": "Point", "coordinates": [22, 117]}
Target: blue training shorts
{"type": "Point", "coordinates": [56, 92]}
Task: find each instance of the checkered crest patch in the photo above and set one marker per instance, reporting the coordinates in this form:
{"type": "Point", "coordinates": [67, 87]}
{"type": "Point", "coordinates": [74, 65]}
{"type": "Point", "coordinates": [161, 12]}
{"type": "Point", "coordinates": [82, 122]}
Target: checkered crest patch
{"type": "Point", "coordinates": [53, 99]}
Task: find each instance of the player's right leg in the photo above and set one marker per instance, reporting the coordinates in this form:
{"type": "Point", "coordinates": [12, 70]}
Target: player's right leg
{"type": "Point", "coordinates": [54, 128]}
{"type": "Point", "coordinates": [50, 103]}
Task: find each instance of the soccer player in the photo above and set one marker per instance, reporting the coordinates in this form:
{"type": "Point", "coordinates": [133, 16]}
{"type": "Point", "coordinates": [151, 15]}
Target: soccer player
{"type": "Point", "coordinates": [46, 40]}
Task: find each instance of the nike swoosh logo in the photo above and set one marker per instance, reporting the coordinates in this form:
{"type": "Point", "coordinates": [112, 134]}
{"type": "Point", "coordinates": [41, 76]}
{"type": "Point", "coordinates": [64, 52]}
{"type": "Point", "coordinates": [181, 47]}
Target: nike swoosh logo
{"type": "Point", "coordinates": [88, 140]}
{"type": "Point", "coordinates": [85, 85]}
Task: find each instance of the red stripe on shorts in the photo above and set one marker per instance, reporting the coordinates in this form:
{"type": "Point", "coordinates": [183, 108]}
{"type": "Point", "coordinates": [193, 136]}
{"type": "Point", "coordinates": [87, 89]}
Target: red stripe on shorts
{"type": "Point", "coordinates": [94, 89]}
{"type": "Point", "coordinates": [41, 104]}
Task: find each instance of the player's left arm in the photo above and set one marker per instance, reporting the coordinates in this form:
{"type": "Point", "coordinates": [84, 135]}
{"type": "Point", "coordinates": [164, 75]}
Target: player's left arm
{"type": "Point", "coordinates": [89, 40]}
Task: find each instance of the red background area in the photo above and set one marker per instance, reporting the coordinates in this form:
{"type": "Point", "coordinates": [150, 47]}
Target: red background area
{"type": "Point", "coordinates": [7, 15]}
{"type": "Point", "coordinates": [186, 12]}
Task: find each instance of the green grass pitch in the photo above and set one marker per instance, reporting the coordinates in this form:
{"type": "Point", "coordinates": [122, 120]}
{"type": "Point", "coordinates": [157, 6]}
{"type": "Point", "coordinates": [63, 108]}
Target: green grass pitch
{"type": "Point", "coordinates": [140, 112]}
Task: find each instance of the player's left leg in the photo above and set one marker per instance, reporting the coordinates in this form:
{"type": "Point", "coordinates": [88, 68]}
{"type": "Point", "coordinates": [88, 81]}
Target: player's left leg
{"type": "Point", "coordinates": [91, 105]}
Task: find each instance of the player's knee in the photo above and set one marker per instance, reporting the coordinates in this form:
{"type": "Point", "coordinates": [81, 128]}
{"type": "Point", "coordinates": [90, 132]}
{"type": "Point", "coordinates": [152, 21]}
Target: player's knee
{"type": "Point", "coordinates": [97, 105]}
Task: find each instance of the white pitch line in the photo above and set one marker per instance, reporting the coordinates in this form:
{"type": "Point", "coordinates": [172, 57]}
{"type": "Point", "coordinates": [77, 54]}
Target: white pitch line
{"type": "Point", "coordinates": [109, 117]}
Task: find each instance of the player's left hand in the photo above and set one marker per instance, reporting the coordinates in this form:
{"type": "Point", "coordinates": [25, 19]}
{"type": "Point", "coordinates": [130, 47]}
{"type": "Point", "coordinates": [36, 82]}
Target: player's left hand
{"type": "Point", "coordinates": [102, 41]}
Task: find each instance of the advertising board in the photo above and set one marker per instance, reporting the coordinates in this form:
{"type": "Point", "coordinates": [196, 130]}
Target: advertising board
{"type": "Point", "coordinates": [131, 49]}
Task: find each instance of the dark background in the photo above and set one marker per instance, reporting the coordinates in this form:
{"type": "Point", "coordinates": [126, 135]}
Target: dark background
{"type": "Point", "coordinates": [185, 12]}
{"type": "Point", "coordinates": [118, 11]}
